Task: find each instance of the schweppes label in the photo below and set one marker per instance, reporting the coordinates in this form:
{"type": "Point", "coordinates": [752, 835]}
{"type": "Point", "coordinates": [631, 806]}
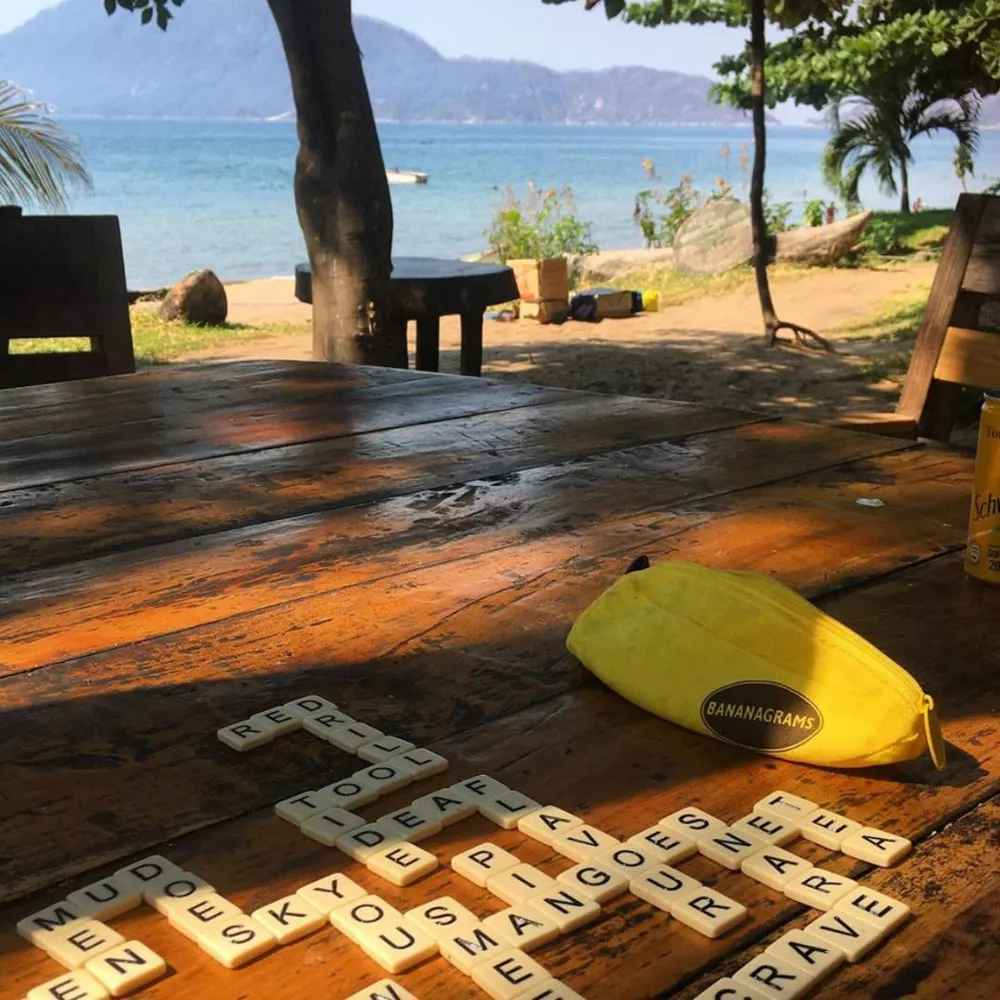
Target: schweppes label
{"type": "Point", "coordinates": [982, 555]}
{"type": "Point", "coordinates": [761, 715]}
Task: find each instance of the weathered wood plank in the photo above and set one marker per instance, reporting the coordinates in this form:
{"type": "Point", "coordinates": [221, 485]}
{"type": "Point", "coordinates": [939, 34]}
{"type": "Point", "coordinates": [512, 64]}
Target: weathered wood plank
{"type": "Point", "coordinates": [286, 420]}
{"type": "Point", "coordinates": [125, 401]}
{"type": "Point", "coordinates": [82, 608]}
{"type": "Point", "coordinates": [55, 523]}
{"type": "Point", "coordinates": [950, 945]}
{"type": "Point", "coordinates": [476, 640]}
{"type": "Point", "coordinates": [594, 754]}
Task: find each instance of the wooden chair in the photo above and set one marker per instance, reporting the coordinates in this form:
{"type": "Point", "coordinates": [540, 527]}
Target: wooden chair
{"type": "Point", "coordinates": [952, 347]}
{"type": "Point", "coordinates": [63, 276]}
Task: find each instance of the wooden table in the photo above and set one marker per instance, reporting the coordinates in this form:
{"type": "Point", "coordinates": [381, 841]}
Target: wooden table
{"type": "Point", "coordinates": [425, 289]}
{"type": "Point", "coordinates": [184, 547]}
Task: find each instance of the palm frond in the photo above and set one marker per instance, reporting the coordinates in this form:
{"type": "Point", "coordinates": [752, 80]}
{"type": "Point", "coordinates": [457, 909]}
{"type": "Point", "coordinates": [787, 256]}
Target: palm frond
{"type": "Point", "coordinates": [860, 142]}
{"type": "Point", "coordinates": [39, 162]}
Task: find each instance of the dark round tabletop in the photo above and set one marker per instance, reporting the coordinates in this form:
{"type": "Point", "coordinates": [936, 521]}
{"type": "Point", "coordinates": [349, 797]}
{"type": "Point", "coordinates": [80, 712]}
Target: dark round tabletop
{"type": "Point", "coordinates": [432, 286]}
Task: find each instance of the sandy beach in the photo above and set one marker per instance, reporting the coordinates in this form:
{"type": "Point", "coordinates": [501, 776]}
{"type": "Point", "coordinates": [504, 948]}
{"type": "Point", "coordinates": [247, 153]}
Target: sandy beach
{"type": "Point", "coordinates": [707, 349]}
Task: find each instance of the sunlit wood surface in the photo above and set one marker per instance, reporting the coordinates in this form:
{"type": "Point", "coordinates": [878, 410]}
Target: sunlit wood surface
{"type": "Point", "coordinates": [182, 548]}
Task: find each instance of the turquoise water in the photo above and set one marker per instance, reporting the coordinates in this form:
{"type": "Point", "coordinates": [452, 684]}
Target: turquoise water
{"type": "Point", "coordinates": [219, 194]}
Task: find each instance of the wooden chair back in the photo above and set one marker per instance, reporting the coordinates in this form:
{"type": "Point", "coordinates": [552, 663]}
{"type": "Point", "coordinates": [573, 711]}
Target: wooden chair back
{"type": "Point", "coordinates": [954, 346]}
{"type": "Point", "coordinates": [63, 276]}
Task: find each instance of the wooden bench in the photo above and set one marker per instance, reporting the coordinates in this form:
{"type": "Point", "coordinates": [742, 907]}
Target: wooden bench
{"type": "Point", "coordinates": [63, 276]}
{"type": "Point", "coordinates": [954, 348]}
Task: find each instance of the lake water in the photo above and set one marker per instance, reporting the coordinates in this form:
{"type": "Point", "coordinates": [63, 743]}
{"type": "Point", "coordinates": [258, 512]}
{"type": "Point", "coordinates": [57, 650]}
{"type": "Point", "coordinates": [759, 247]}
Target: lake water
{"type": "Point", "coordinates": [219, 193]}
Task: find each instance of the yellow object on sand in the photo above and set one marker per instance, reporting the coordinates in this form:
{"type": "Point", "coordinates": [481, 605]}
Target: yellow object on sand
{"type": "Point", "coordinates": [740, 657]}
{"type": "Point", "coordinates": [650, 301]}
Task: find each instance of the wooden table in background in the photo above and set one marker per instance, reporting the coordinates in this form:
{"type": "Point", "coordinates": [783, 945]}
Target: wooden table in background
{"type": "Point", "coordinates": [187, 546]}
{"type": "Point", "coordinates": [426, 288]}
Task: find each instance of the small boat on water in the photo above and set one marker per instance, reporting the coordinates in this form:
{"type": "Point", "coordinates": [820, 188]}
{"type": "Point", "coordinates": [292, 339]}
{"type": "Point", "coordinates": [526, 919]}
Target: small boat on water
{"type": "Point", "coordinates": [397, 176]}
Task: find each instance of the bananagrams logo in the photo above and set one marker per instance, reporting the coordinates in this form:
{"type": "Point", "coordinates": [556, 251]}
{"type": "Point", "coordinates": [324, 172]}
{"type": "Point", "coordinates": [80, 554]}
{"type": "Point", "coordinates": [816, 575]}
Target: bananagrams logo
{"type": "Point", "coordinates": [761, 715]}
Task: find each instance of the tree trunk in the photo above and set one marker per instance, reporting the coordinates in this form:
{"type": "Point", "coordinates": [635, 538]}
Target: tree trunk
{"type": "Point", "coordinates": [758, 225]}
{"type": "Point", "coordinates": [904, 187]}
{"type": "Point", "coordinates": [341, 189]}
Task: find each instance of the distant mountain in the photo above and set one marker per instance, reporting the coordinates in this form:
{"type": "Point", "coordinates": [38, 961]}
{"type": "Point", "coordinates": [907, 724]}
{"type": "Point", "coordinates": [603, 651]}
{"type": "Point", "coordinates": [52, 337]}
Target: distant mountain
{"type": "Point", "coordinates": [215, 62]}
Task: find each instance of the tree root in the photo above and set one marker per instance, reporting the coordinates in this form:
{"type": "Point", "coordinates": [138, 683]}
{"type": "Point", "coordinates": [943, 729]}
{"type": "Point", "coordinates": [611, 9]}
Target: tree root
{"type": "Point", "coordinates": [803, 335]}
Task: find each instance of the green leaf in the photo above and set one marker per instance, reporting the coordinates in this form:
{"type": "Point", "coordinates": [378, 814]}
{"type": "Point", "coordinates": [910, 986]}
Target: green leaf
{"type": "Point", "coordinates": [147, 15]}
{"type": "Point", "coordinates": [612, 8]}
{"type": "Point", "coordinates": [110, 7]}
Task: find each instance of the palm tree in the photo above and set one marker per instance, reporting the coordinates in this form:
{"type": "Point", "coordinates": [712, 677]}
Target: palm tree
{"type": "Point", "coordinates": [878, 130]}
{"type": "Point", "coordinates": [39, 162]}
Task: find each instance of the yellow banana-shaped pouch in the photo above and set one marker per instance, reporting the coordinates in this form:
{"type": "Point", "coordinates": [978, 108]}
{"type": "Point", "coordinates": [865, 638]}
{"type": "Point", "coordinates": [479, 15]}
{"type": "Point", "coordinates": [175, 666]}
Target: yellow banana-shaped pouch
{"type": "Point", "coordinates": [741, 657]}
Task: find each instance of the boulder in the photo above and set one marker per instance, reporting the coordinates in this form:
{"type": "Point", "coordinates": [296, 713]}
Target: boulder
{"type": "Point", "coordinates": [714, 238]}
{"type": "Point", "coordinates": [197, 298]}
{"type": "Point", "coordinates": [610, 265]}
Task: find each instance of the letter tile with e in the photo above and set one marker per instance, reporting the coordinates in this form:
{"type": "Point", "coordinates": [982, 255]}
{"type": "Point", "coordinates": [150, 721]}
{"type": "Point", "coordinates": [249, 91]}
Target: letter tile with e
{"type": "Point", "coordinates": [81, 940]}
{"type": "Point", "coordinates": [76, 985]}
{"type": "Point", "coordinates": [828, 829]}
{"type": "Point", "coordinates": [508, 975]}
{"type": "Point", "coordinates": [874, 908]}
{"type": "Point", "coordinates": [126, 968]}
{"type": "Point", "coordinates": [276, 721]}
{"type": "Point", "coordinates": [402, 864]}
{"type": "Point", "coordinates": [289, 918]}
{"type": "Point", "coordinates": [665, 846]}
{"type": "Point", "coordinates": [768, 829]}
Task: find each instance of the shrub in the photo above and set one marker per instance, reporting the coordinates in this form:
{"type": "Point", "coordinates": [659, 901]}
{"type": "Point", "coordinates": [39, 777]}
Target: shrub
{"type": "Point", "coordinates": [543, 224]}
{"type": "Point", "coordinates": [776, 214]}
{"type": "Point", "coordinates": [881, 236]}
{"type": "Point", "coordinates": [813, 213]}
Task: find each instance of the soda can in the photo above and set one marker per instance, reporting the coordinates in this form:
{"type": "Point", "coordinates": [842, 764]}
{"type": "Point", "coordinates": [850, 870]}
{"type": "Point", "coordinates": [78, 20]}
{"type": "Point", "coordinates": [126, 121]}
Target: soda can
{"type": "Point", "coordinates": [982, 554]}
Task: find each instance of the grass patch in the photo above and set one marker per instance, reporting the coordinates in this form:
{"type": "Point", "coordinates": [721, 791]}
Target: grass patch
{"type": "Point", "coordinates": [920, 230]}
{"type": "Point", "coordinates": [158, 342]}
{"type": "Point", "coordinates": [676, 288]}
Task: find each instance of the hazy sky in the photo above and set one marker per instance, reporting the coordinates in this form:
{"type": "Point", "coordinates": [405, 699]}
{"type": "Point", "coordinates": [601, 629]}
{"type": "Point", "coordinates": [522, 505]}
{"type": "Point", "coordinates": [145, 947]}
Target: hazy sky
{"type": "Point", "coordinates": [564, 36]}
